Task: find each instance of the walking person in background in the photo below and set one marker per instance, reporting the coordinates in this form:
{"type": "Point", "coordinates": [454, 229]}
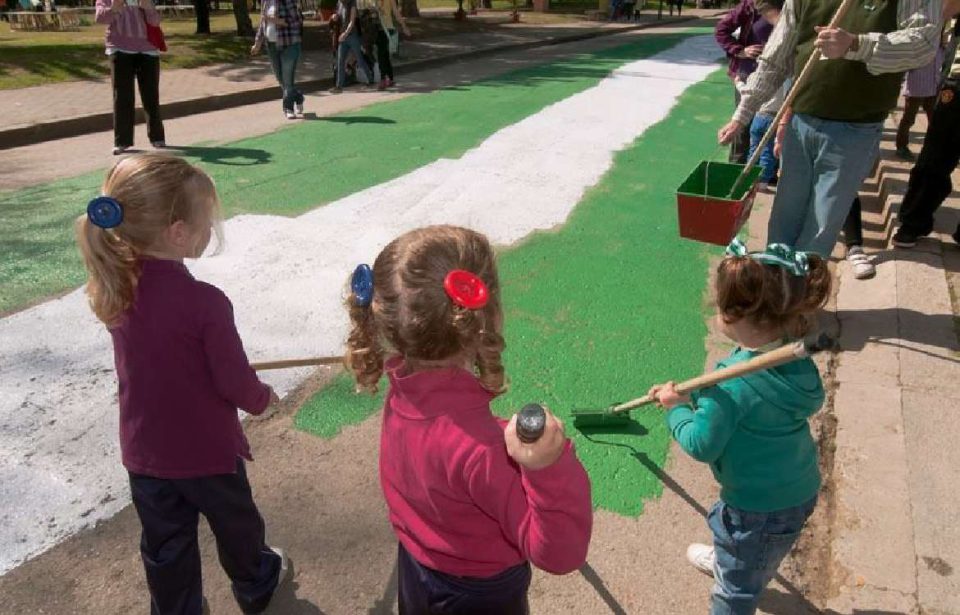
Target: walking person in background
{"type": "Point", "coordinates": [769, 159]}
{"type": "Point", "coordinates": [132, 56]}
{"type": "Point", "coordinates": [349, 42]}
{"type": "Point", "coordinates": [919, 91]}
{"type": "Point", "coordinates": [388, 30]}
{"type": "Point", "coordinates": [930, 182]}
{"type": "Point", "coordinates": [742, 33]}
{"type": "Point", "coordinates": [281, 25]}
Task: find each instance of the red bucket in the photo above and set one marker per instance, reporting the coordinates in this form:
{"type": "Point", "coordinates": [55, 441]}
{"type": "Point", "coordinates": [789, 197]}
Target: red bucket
{"type": "Point", "coordinates": [705, 212]}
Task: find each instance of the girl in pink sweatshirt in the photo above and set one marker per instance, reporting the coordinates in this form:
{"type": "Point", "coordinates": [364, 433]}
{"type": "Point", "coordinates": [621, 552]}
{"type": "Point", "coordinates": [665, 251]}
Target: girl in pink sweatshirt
{"type": "Point", "coordinates": [471, 504]}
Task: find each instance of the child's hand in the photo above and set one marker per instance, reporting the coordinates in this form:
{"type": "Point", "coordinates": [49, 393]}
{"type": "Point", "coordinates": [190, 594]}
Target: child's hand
{"type": "Point", "coordinates": [540, 454]}
{"type": "Point", "coordinates": [667, 395]}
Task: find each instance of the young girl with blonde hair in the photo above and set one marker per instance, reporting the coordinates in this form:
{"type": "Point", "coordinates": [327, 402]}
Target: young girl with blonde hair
{"type": "Point", "coordinates": [753, 430]}
{"type": "Point", "coordinates": [470, 502]}
{"type": "Point", "coordinates": [183, 373]}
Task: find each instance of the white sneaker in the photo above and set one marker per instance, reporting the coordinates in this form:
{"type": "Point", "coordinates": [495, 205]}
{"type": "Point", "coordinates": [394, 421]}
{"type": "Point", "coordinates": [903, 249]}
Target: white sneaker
{"type": "Point", "coordinates": [861, 264]}
{"type": "Point", "coordinates": [290, 114]}
{"type": "Point", "coordinates": [120, 149]}
{"type": "Point", "coordinates": [300, 109]}
{"type": "Point", "coordinates": [702, 557]}
{"type": "Point", "coordinates": [284, 566]}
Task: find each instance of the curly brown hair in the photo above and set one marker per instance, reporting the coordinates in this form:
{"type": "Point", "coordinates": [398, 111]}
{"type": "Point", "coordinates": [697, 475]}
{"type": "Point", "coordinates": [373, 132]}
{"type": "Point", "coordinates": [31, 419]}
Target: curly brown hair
{"type": "Point", "coordinates": [412, 315]}
{"type": "Point", "coordinates": [771, 297]}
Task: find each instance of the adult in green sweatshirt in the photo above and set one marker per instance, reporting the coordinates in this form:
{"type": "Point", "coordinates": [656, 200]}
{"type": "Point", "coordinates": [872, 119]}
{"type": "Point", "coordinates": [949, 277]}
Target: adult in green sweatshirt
{"type": "Point", "coordinates": [833, 138]}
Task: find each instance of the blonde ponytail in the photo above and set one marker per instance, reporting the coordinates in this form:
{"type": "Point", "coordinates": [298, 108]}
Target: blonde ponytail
{"type": "Point", "coordinates": [154, 191]}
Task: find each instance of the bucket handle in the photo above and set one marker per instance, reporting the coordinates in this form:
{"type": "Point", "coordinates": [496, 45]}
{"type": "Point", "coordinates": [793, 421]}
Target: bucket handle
{"type": "Point", "coordinates": [706, 170]}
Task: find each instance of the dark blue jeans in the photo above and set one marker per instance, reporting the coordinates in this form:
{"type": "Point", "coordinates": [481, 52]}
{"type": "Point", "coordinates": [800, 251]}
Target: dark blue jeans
{"type": "Point", "coordinates": [749, 548]}
{"type": "Point", "coordinates": [169, 512]}
{"type": "Point", "coordinates": [424, 591]}
{"type": "Point", "coordinates": [768, 162]}
{"type": "Point", "coordinates": [352, 44]}
{"type": "Point", "coordinates": [284, 63]}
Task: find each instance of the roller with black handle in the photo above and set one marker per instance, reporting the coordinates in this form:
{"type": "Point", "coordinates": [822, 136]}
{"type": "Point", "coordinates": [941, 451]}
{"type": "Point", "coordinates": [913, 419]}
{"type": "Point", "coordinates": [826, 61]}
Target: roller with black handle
{"type": "Point", "coordinates": [531, 421]}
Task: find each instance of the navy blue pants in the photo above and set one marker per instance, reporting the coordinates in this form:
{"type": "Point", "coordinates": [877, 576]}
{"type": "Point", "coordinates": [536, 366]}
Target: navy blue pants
{"type": "Point", "coordinates": [169, 512]}
{"type": "Point", "coordinates": [424, 591]}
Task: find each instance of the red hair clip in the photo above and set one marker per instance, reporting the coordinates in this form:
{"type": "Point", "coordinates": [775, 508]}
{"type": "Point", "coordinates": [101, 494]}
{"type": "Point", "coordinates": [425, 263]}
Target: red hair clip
{"type": "Point", "coordinates": [466, 289]}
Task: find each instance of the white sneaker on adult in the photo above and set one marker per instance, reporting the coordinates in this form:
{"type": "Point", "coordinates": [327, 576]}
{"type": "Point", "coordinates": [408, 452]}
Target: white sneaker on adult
{"type": "Point", "coordinates": [861, 264]}
{"type": "Point", "coordinates": [702, 557]}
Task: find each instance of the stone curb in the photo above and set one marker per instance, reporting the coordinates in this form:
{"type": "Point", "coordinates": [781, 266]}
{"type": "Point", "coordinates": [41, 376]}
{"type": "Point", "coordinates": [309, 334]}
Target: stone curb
{"type": "Point", "coordinates": [76, 126]}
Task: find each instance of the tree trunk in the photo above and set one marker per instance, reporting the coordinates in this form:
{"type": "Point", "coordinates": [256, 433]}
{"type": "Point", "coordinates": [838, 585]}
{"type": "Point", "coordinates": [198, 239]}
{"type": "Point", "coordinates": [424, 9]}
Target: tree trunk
{"type": "Point", "coordinates": [202, 10]}
{"type": "Point", "coordinates": [409, 8]}
{"type": "Point", "coordinates": [486, 4]}
{"type": "Point", "coordinates": [244, 25]}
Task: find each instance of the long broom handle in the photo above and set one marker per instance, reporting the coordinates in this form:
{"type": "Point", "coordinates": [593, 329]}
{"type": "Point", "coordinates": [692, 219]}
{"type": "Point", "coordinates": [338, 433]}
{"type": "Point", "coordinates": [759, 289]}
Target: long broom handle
{"type": "Point", "coordinates": [284, 364]}
{"type": "Point", "coordinates": [788, 101]}
{"type": "Point", "coordinates": [767, 360]}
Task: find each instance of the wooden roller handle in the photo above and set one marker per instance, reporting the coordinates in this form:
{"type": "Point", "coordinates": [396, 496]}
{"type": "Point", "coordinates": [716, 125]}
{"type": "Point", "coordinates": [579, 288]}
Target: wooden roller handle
{"type": "Point", "coordinates": [287, 363]}
{"type": "Point", "coordinates": [767, 360]}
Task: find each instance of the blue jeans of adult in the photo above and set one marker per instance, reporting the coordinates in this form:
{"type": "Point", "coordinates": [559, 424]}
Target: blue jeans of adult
{"type": "Point", "coordinates": [352, 43]}
{"type": "Point", "coordinates": [284, 61]}
{"type": "Point", "coordinates": [768, 161]}
{"type": "Point", "coordinates": [749, 547]}
{"type": "Point", "coordinates": [823, 164]}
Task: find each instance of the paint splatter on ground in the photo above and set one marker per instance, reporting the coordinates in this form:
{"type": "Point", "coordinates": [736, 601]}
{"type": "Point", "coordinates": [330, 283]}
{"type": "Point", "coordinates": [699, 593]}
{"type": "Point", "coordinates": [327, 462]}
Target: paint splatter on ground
{"type": "Point", "coordinates": [601, 308]}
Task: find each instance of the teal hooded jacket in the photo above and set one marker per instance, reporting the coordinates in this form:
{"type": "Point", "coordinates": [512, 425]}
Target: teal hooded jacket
{"type": "Point", "coordinates": [753, 432]}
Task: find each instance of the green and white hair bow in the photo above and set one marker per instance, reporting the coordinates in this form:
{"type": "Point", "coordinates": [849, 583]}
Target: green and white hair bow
{"type": "Point", "coordinates": [778, 254]}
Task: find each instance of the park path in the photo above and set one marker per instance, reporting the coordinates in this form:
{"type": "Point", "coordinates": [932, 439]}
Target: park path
{"type": "Point", "coordinates": [54, 111]}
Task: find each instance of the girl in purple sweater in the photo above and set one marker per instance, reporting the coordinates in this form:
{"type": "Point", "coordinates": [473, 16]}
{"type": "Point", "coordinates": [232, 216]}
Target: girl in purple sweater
{"type": "Point", "coordinates": [183, 373]}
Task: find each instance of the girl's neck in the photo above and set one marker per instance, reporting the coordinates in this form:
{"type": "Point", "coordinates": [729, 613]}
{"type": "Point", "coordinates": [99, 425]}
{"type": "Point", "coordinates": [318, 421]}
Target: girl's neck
{"type": "Point", "coordinates": [421, 365]}
{"type": "Point", "coordinates": [751, 337]}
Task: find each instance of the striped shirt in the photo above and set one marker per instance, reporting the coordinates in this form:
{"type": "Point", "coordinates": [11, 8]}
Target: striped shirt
{"type": "Point", "coordinates": [924, 82]}
{"type": "Point", "coordinates": [951, 67]}
{"type": "Point", "coordinates": [913, 45]}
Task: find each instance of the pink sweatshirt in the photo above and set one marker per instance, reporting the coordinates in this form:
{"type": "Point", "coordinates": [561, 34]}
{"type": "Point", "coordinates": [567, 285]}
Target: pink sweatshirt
{"type": "Point", "coordinates": [458, 503]}
{"type": "Point", "coordinates": [125, 28]}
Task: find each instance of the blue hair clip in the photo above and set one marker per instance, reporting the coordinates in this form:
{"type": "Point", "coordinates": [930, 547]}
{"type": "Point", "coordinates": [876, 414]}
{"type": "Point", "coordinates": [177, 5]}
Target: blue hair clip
{"type": "Point", "coordinates": [105, 212]}
{"type": "Point", "coordinates": [778, 254]}
{"type": "Point", "coordinates": [362, 285]}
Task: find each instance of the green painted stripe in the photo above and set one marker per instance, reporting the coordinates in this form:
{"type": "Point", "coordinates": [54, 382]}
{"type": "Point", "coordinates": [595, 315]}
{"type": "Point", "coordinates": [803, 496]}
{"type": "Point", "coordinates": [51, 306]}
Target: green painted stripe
{"type": "Point", "coordinates": [307, 164]}
{"type": "Point", "coordinates": [602, 308]}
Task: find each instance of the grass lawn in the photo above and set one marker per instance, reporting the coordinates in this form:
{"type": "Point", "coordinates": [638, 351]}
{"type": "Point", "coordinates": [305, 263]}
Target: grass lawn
{"type": "Point", "coordinates": [35, 58]}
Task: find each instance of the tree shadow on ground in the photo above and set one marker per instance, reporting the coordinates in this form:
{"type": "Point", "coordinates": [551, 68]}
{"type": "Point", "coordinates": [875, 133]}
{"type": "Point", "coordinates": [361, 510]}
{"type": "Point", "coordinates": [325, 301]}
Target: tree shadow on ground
{"type": "Point", "coordinates": [228, 156]}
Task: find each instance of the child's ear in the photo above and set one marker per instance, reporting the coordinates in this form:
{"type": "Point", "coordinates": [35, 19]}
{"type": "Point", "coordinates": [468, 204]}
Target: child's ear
{"type": "Point", "coordinates": [178, 234]}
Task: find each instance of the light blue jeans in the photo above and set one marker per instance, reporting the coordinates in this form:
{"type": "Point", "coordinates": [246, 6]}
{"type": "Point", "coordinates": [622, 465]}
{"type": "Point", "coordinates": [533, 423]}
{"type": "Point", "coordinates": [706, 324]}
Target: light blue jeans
{"type": "Point", "coordinates": [823, 164]}
{"type": "Point", "coordinates": [749, 547]}
{"type": "Point", "coordinates": [284, 62]}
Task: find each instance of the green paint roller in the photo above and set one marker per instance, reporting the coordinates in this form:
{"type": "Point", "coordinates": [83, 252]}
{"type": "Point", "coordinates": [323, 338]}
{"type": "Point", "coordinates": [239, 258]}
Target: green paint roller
{"type": "Point", "coordinates": [619, 415]}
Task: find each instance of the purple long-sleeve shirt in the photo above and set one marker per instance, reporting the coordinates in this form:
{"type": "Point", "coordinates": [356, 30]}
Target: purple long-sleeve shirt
{"type": "Point", "coordinates": [183, 373]}
{"type": "Point", "coordinates": [754, 30]}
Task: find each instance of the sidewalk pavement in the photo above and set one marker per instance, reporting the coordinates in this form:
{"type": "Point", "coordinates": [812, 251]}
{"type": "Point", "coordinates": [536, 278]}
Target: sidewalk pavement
{"type": "Point", "coordinates": [60, 110]}
{"type": "Point", "coordinates": [895, 536]}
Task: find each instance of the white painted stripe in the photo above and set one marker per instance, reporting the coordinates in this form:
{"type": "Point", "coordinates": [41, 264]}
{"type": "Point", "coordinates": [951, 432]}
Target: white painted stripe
{"type": "Point", "coordinates": [59, 463]}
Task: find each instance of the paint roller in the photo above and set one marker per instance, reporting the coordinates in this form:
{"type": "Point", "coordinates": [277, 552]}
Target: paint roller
{"type": "Point", "coordinates": [619, 414]}
{"type": "Point", "coordinates": [531, 420]}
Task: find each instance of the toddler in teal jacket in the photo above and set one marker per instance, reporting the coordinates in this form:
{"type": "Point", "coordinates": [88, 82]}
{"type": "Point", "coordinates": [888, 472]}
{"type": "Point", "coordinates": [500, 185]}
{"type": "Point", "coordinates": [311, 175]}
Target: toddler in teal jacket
{"type": "Point", "coordinates": [753, 430]}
